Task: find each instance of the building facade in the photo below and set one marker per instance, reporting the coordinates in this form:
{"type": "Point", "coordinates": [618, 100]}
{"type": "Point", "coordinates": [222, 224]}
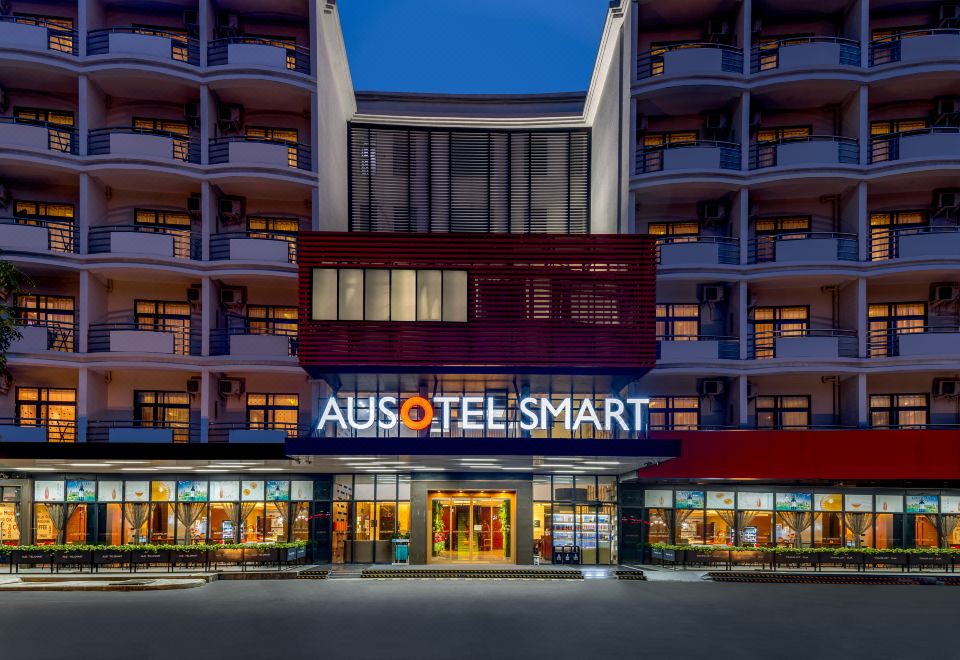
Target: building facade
{"type": "Point", "coordinates": [495, 325]}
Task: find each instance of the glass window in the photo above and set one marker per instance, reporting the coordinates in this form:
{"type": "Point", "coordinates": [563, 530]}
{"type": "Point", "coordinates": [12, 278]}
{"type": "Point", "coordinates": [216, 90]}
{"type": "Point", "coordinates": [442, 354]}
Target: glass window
{"type": "Point", "coordinates": [455, 296]}
{"type": "Point", "coordinates": [167, 410]}
{"type": "Point", "coordinates": [675, 413]}
{"type": "Point", "coordinates": [55, 313]}
{"type": "Point", "coordinates": [223, 521]}
{"type": "Point", "coordinates": [403, 304]}
{"type": "Point", "coordinates": [689, 526]}
{"type": "Point", "coordinates": [403, 487]}
{"type": "Point", "coordinates": [252, 522]}
{"type": "Point", "coordinates": [782, 412]}
{"type": "Point", "coordinates": [678, 322]}
{"type": "Point", "coordinates": [273, 412]}
{"type": "Point", "coordinates": [887, 321]}
{"type": "Point", "coordinates": [271, 320]}
{"type": "Point", "coordinates": [162, 316]}
{"type": "Point", "coordinates": [386, 487]}
{"type": "Point", "coordinates": [343, 487]}
{"type": "Point", "coordinates": [563, 487]}
{"type": "Point", "coordinates": [9, 522]}
{"type": "Point", "coordinates": [905, 411]}
{"type": "Point", "coordinates": [54, 408]}
{"type": "Point", "coordinates": [772, 322]}
{"type": "Point", "coordinates": [429, 285]}
{"type": "Point", "coordinates": [607, 488]}
{"type": "Point", "coordinates": [363, 483]}
{"type": "Point", "coordinates": [376, 303]}
{"type": "Point", "coordinates": [719, 527]}
{"type": "Point", "coordinates": [350, 294]}
{"type": "Point", "coordinates": [386, 521]}
{"type": "Point", "coordinates": [541, 487]}
{"type": "Point", "coordinates": [324, 303]}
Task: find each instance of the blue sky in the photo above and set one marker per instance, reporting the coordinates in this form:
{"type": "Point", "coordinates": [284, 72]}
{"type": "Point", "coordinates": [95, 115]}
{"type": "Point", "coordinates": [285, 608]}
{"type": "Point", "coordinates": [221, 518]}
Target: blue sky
{"type": "Point", "coordinates": [472, 46]}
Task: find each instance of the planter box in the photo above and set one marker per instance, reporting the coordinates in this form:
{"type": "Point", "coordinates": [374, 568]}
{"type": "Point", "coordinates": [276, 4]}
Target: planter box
{"type": "Point", "coordinates": [751, 557]}
{"type": "Point", "coordinates": [292, 554]}
{"type": "Point", "coordinates": [796, 559]}
{"type": "Point", "coordinates": [843, 559]}
{"type": "Point", "coordinates": [886, 559]}
{"type": "Point", "coordinates": [674, 556]}
{"type": "Point", "coordinates": [79, 557]}
{"type": "Point", "coordinates": [189, 556]}
{"type": "Point", "coordinates": [929, 560]}
{"type": "Point", "coordinates": [161, 557]}
{"type": "Point", "coordinates": [227, 555]}
{"type": "Point", "coordinates": [254, 556]}
{"type": "Point", "coordinates": [34, 557]}
{"type": "Point", "coordinates": [706, 557]}
{"type": "Point", "coordinates": [101, 557]}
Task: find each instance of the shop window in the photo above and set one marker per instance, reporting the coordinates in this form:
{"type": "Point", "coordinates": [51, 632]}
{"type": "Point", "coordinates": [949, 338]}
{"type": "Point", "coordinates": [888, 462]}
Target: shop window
{"type": "Point", "coordinates": [677, 322]}
{"type": "Point", "coordinates": [772, 322]}
{"type": "Point", "coordinates": [273, 412]}
{"type": "Point", "coordinates": [719, 527]}
{"type": "Point", "coordinates": [888, 530]}
{"type": "Point", "coordinates": [352, 294]}
{"type": "Point", "coordinates": [883, 237]}
{"type": "Point", "coordinates": [674, 413]}
{"type": "Point", "coordinates": [659, 520]}
{"type": "Point", "coordinates": [795, 528]}
{"type": "Point", "coordinates": [166, 410]}
{"type": "Point", "coordinates": [10, 516]}
{"type": "Point", "coordinates": [827, 529]}
{"type": "Point", "coordinates": [688, 527]}
{"type": "Point", "coordinates": [904, 411]}
{"type": "Point", "coordinates": [55, 313]}
{"type": "Point", "coordinates": [163, 316]}
{"type": "Point", "coordinates": [56, 409]}
{"type": "Point", "coordinates": [58, 218]}
{"type": "Point", "coordinates": [755, 528]}
{"type": "Point", "coordinates": [924, 528]}
{"type": "Point", "coordinates": [858, 530]}
{"type": "Point", "coordinates": [782, 412]}
{"type": "Point", "coordinates": [887, 321]}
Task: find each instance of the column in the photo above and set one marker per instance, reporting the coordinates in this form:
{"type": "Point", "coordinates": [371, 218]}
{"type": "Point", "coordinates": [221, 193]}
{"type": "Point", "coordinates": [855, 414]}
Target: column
{"type": "Point", "coordinates": [863, 402]}
{"type": "Point", "coordinates": [863, 222]}
{"type": "Point", "coordinates": [743, 321]}
{"type": "Point", "coordinates": [743, 403]}
{"type": "Point", "coordinates": [207, 305]}
{"type": "Point", "coordinates": [863, 325]}
{"type": "Point", "coordinates": [208, 217]}
{"type": "Point", "coordinates": [83, 412]}
{"type": "Point", "coordinates": [744, 129]}
{"type": "Point", "coordinates": [207, 383]}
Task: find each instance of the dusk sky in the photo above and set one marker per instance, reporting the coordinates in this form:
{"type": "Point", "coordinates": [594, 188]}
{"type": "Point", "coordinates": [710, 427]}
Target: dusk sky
{"type": "Point", "coordinates": [472, 46]}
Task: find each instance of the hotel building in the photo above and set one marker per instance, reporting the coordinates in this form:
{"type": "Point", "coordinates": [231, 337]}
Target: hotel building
{"type": "Point", "coordinates": [713, 299]}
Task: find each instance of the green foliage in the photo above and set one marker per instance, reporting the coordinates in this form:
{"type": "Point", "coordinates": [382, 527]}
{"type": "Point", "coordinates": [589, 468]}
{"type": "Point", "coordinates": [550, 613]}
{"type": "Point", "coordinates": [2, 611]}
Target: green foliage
{"type": "Point", "coordinates": [12, 282]}
{"type": "Point", "coordinates": [150, 547]}
{"type": "Point", "coordinates": [780, 550]}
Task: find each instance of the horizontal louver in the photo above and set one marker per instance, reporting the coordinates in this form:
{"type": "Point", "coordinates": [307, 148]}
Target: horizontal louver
{"type": "Point", "coordinates": [443, 180]}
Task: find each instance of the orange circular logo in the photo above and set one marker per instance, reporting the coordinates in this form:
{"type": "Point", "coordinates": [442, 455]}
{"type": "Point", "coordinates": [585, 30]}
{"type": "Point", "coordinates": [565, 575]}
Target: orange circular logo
{"type": "Point", "coordinates": [416, 402]}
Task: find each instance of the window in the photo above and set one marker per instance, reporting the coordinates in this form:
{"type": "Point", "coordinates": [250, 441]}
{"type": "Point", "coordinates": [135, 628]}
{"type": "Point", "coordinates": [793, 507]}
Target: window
{"type": "Point", "coordinates": [272, 320]}
{"type": "Point", "coordinates": [889, 320]}
{"type": "Point", "coordinates": [354, 294]}
{"type": "Point", "coordinates": [772, 322]}
{"type": "Point", "coordinates": [58, 140]}
{"type": "Point", "coordinates": [674, 413]}
{"type": "Point", "coordinates": [288, 43]}
{"type": "Point", "coordinates": [58, 218]}
{"type": "Point", "coordinates": [273, 412]}
{"type": "Point", "coordinates": [401, 155]}
{"type": "Point", "coordinates": [174, 223]}
{"type": "Point", "coordinates": [883, 237]}
{"type": "Point", "coordinates": [178, 38]}
{"type": "Point", "coordinates": [177, 129]}
{"type": "Point", "coordinates": [60, 33]}
{"type": "Point", "coordinates": [768, 230]}
{"type": "Point", "coordinates": [278, 229]}
{"type": "Point", "coordinates": [783, 133]}
{"type": "Point", "coordinates": [885, 128]}
{"type": "Point", "coordinates": [669, 138]}
{"type": "Point", "coordinates": [768, 48]}
{"type": "Point", "coordinates": [54, 408]}
{"type": "Point", "coordinates": [783, 412]}
{"type": "Point", "coordinates": [909, 411]}
{"type": "Point", "coordinates": [678, 322]}
{"type": "Point", "coordinates": [56, 313]}
{"type": "Point", "coordinates": [674, 230]}
{"type": "Point", "coordinates": [278, 135]}
{"type": "Point", "coordinates": [166, 410]}
{"type": "Point", "coordinates": [161, 316]}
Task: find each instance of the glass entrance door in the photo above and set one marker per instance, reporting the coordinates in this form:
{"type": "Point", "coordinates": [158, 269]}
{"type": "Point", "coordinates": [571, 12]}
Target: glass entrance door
{"type": "Point", "coordinates": [471, 527]}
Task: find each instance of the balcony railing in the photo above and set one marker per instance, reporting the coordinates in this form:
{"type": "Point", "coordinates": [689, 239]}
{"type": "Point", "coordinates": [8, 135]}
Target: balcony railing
{"type": "Point", "coordinates": [818, 246]}
{"type": "Point", "coordinates": [920, 242]}
{"type": "Point", "coordinates": [223, 246]}
{"type": "Point", "coordinates": [20, 429]}
{"type": "Point", "coordinates": [808, 343]}
{"type": "Point", "coordinates": [655, 159]}
{"type": "Point", "coordinates": [221, 338]}
{"type": "Point", "coordinates": [133, 337]}
{"type": "Point", "coordinates": [835, 50]}
{"type": "Point", "coordinates": [182, 243]}
{"type": "Point", "coordinates": [181, 148]}
{"type": "Point", "coordinates": [937, 341]}
{"type": "Point", "coordinates": [809, 150]}
{"type": "Point", "coordinates": [297, 154]}
{"type": "Point", "coordinates": [181, 48]}
{"type": "Point", "coordinates": [297, 57]}
{"type": "Point", "coordinates": [727, 348]}
{"type": "Point", "coordinates": [656, 62]}
{"type": "Point", "coordinates": [59, 39]}
{"type": "Point", "coordinates": [889, 147]}
{"type": "Point", "coordinates": [890, 49]}
{"type": "Point", "coordinates": [38, 235]}
{"type": "Point", "coordinates": [60, 336]}
{"type": "Point", "coordinates": [249, 432]}
{"type": "Point", "coordinates": [58, 137]}
{"type": "Point", "coordinates": [727, 249]}
{"type": "Point", "coordinates": [143, 431]}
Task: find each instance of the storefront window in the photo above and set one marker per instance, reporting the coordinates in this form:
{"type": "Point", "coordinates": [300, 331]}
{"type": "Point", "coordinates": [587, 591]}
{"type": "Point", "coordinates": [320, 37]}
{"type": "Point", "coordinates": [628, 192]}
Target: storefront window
{"type": "Point", "coordinates": [48, 524]}
{"type": "Point", "coordinates": [719, 530]}
{"type": "Point", "coordinates": [688, 527]}
{"type": "Point", "coordinates": [363, 525]}
{"type": "Point", "coordinates": [162, 523]}
{"type": "Point", "coordinates": [889, 530]}
{"type": "Point", "coordinates": [607, 489]}
{"type": "Point", "coordinates": [563, 488]}
{"type": "Point", "coordinates": [223, 521]}
{"type": "Point", "coordinates": [543, 529]}
{"type": "Point", "coordinates": [251, 526]}
{"type": "Point", "coordinates": [924, 530]}
{"type": "Point", "coordinates": [827, 529]}
{"type": "Point", "coordinates": [659, 525]}
{"type": "Point", "coordinates": [755, 528]}
{"type": "Point", "coordinates": [191, 522]}
{"type": "Point", "coordinates": [859, 530]}
{"type": "Point", "coordinates": [77, 521]}
{"type": "Point", "coordinates": [135, 516]}
{"type": "Point", "coordinates": [541, 488]}
{"type": "Point", "coordinates": [386, 519]}
{"type": "Point", "coordinates": [111, 523]}
{"type": "Point", "coordinates": [794, 528]}
{"type": "Point", "coordinates": [10, 516]}
{"type": "Point", "coordinates": [276, 521]}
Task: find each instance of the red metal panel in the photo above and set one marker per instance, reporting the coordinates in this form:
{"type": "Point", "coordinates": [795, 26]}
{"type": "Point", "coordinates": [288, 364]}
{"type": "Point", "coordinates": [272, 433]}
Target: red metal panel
{"type": "Point", "coordinates": [833, 455]}
{"type": "Point", "coordinates": [536, 301]}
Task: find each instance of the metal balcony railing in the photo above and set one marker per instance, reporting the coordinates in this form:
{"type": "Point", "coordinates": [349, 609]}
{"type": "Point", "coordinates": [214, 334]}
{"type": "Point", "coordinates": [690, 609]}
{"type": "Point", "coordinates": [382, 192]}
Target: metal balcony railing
{"type": "Point", "coordinates": [886, 245]}
{"type": "Point", "coordinates": [186, 339]}
{"type": "Point", "coordinates": [887, 147]}
{"type": "Point", "coordinates": [298, 154]}
{"type": "Point", "coordinates": [763, 345]}
{"type": "Point", "coordinates": [182, 49]}
{"type": "Point", "coordinates": [886, 342]}
{"type": "Point", "coordinates": [651, 63]}
{"type": "Point", "coordinates": [728, 348]}
{"type": "Point", "coordinates": [186, 242]}
{"type": "Point", "coordinates": [298, 57]}
{"type": "Point", "coordinates": [728, 248]}
{"type": "Point", "coordinates": [887, 49]}
{"type": "Point", "coordinates": [220, 243]}
{"type": "Point", "coordinates": [220, 337]}
{"type": "Point", "coordinates": [59, 39]}
{"type": "Point", "coordinates": [220, 431]}
{"type": "Point", "coordinates": [183, 148]}
{"type": "Point", "coordinates": [650, 159]}
{"type": "Point", "coordinates": [763, 249]}
{"type": "Point", "coordinates": [183, 432]}
{"type": "Point", "coordinates": [764, 154]}
{"type": "Point", "coordinates": [61, 236]}
{"type": "Point", "coordinates": [766, 57]}
{"type": "Point", "coordinates": [61, 336]}
{"type": "Point", "coordinates": [58, 430]}
{"type": "Point", "coordinates": [59, 137]}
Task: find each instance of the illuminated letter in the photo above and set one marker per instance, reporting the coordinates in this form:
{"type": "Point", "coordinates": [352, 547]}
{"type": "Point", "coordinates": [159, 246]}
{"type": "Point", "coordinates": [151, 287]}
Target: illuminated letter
{"type": "Point", "coordinates": [492, 416]}
{"type": "Point", "coordinates": [445, 402]}
{"type": "Point", "coordinates": [547, 407]}
{"type": "Point", "coordinates": [467, 416]}
{"type": "Point", "coordinates": [331, 413]}
{"type": "Point", "coordinates": [528, 417]}
{"type": "Point", "coordinates": [389, 412]}
{"type": "Point", "coordinates": [586, 412]}
{"type": "Point", "coordinates": [416, 402]}
{"type": "Point", "coordinates": [638, 406]}
{"type": "Point", "coordinates": [613, 409]}
{"type": "Point", "coordinates": [352, 413]}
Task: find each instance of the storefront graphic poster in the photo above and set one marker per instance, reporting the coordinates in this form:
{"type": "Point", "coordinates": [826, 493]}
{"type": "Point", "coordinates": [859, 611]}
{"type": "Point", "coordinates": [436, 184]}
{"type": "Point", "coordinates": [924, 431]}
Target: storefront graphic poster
{"type": "Point", "coordinates": [224, 491]}
{"type": "Point", "coordinates": [301, 491]}
{"type": "Point", "coordinates": [656, 499]}
{"type": "Point", "coordinates": [794, 502]}
{"type": "Point", "coordinates": [717, 499]}
{"type": "Point", "coordinates": [923, 504]}
{"type": "Point", "coordinates": [81, 491]}
{"type": "Point", "coordinates": [858, 503]}
{"type": "Point", "coordinates": [137, 491]}
{"type": "Point", "coordinates": [251, 491]}
{"type": "Point", "coordinates": [889, 503]}
{"type": "Point", "coordinates": [110, 491]}
{"type": "Point", "coordinates": [689, 499]}
{"type": "Point", "coordinates": [191, 491]}
{"type": "Point", "coordinates": [278, 491]}
{"type": "Point", "coordinates": [48, 491]}
{"type": "Point", "coordinates": [755, 501]}
{"type": "Point", "coordinates": [950, 504]}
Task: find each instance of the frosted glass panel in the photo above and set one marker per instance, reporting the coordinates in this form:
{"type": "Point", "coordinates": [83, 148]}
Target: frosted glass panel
{"type": "Point", "coordinates": [351, 294]}
{"type": "Point", "coordinates": [324, 294]}
{"type": "Point", "coordinates": [403, 296]}
{"type": "Point", "coordinates": [455, 296]}
{"type": "Point", "coordinates": [376, 299]}
{"type": "Point", "coordinates": [428, 295]}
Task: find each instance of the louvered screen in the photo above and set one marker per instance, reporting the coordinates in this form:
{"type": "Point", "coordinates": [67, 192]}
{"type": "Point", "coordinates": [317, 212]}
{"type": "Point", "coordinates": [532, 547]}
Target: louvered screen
{"type": "Point", "coordinates": [444, 180]}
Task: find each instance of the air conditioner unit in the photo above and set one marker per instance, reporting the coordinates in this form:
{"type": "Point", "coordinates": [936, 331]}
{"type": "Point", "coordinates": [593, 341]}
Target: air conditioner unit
{"type": "Point", "coordinates": [194, 203]}
{"type": "Point", "coordinates": [947, 106]}
{"type": "Point", "coordinates": [193, 386]}
{"type": "Point", "coordinates": [711, 293]}
{"type": "Point", "coordinates": [711, 387]}
{"type": "Point", "coordinates": [229, 117]}
{"type": "Point", "coordinates": [943, 387]}
{"type": "Point", "coordinates": [717, 121]}
{"type": "Point", "coordinates": [714, 212]}
{"type": "Point", "coordinates": [230, 209]}
{"type": "Point", "coordinates": [230, 386]}
{"type": "Point", "coordinates": [231, 297]}
{"type": "Point", "coordinates": [942, 292]}
{"type": "Point", "coordinates": [193, 294]}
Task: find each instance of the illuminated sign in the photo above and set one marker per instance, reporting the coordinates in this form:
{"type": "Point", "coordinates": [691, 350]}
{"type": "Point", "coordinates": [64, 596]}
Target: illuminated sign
{"type": "Point", "coordinates": [479, 413]}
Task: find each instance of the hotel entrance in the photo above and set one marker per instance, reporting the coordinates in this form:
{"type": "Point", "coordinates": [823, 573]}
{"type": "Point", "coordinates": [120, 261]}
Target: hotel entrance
{"type": "Point", "coordinates": [472, 527]}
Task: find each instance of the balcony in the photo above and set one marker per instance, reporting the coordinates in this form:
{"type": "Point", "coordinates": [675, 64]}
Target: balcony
{"type": "Point", "coordinates": [129, 141]}
{"type": "Point", "coordinates": [142, 338]}
{"type": "Point", "coordinates": [144, 43]}
{"type": "Point", "coordinates": [689, 59]}
{"type": "Point", "coordinates": [145, 241]}
{"type": "Point", "coordinates": [257, 245]}
{"type": "Point", "coordinates": [142, 432]}
{"type": "Point", "coordinates": [804, 344]}
{"type": "Point", "coordinates": [916, 243]}
{"type": "Point", "coordinates": [37, 430]}
{"type": "Point", "coordinates": [805, 151]}
{"type": "Point", "coordinates": [915, 46]}
{"type": "Point", "coordinates": [267, 340]}
{"type": "Point", "coordinates": [803, 247]}
{"type": "Point", "coordinates": [798, 53]}
{"type": "Point", "coordinates": [259, 152]}
{"type": "Point", "coordinates": [37, 34]}
{"type": "Point", "coordinates": [697, 251]}
{"type": "Point", "coordinates": [41, 336]}
{"type": "Point", "coordinates": [921, 144]}
{"type": "Point", "coordinates": [252, 433]}
{"type": "Point", "coordinates": [257, 52]}
{"type": "Point", "coordinates": [37, 135]}
{"type": "Point", "coordinates": [693, 349]}
{"type": "Point", "coordinates": [693, 155]}
{"type": "Point", "coordinates": [927, 342]}
{"type": "Point", "coordinates": [36, 235]}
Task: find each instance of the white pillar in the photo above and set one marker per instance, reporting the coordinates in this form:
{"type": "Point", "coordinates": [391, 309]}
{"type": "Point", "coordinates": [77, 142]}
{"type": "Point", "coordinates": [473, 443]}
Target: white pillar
{"type": "Point", "coordinates": [862, 322]}
{"type": "Point", "coordinates": [206, 314]}
{"type": "Point", "coordinates": [83, 413]}
{"type": "Point", "coordinates": [863, 133]}
{"type": "Point", "coordinates": [206, 403]}
{"type": "Point", "coordinates": [863, 402]}
{"type": "Point", "coordinates": [744, 128]}
{"type": "Point", "coordinates": [743, 320]}
{"type": "Point", "coordinates": [743, 404]}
